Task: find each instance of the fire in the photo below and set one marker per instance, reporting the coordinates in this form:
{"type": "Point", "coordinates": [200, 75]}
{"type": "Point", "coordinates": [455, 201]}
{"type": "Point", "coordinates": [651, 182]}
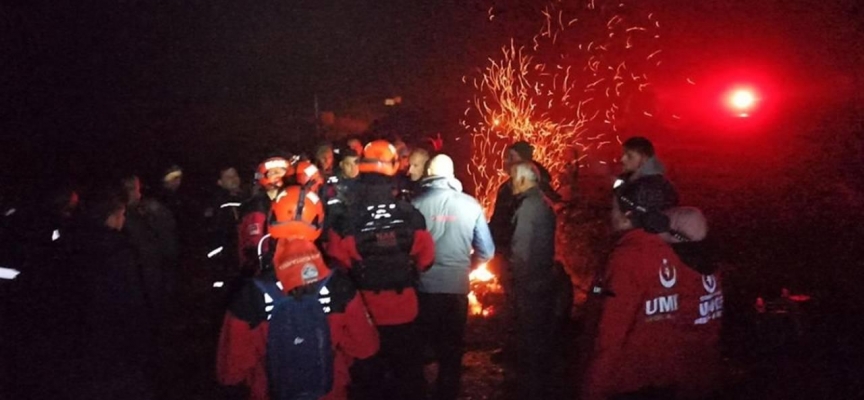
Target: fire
{"type": "Point", "coordinates": [574, 87]}
{"type": "Point", "coordinates": [483, 284]}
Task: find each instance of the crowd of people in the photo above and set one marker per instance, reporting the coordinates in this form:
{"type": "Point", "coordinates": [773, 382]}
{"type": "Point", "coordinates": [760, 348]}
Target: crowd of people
{"type": "Point", "coordinates": [348, 271]}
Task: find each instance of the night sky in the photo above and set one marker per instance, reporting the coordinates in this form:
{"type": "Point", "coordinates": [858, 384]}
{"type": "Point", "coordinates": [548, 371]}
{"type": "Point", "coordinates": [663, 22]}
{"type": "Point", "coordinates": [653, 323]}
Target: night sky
{"type": "Point", "coordinates": [132, 81]}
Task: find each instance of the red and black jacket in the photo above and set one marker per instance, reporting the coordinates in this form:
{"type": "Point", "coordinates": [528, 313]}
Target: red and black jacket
{"type": "Point", "coordinates": [389, 306]}
{"type": "Point", "coordinates": [242, 348]}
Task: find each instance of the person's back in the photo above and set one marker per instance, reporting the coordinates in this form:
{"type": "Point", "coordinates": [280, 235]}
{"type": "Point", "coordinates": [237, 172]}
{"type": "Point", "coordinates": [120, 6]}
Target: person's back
{"type": "Point", "coordinates": [262, 321]}
{"type": "Point", "coordinates": [453, 219]}
{"type": "Point", "coordinates": [457, 225]}
{"type": "Point", "coordinates": [643, 340]}
{"type": "Point", "coordinates": [641, 323]}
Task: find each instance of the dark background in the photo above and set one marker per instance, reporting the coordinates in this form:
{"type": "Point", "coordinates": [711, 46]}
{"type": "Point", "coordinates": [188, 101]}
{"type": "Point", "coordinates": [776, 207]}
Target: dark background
{"type": "Point", "coordinates": [88, 88]}
{"type": "Point", "coordinates": [85, 85]}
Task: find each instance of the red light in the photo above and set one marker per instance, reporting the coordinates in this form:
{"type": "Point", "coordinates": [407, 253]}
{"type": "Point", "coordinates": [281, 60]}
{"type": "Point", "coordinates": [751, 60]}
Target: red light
{"type": "Point", "coordinates": [742, 101]}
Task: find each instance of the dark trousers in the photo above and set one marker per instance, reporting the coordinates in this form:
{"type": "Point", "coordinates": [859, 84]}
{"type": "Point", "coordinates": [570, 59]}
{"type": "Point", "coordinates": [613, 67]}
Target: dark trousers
{"type": "Point", "coordinates": [442, 319]}
{"type": "Point", "coordinates": [396, 372]}
{"type": "Point", "coordinates": [534, 309]}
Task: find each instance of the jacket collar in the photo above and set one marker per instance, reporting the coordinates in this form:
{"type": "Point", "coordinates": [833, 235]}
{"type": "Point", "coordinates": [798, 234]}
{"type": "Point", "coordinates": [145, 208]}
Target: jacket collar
{"type": "Point", "coordinates": [441, 182]}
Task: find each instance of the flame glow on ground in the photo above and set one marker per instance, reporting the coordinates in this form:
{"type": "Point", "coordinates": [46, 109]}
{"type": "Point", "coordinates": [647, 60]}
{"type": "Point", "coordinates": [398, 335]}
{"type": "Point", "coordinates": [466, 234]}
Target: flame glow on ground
{"type": "Point", "coordinates": [568, 92]}
{"type": "Point", "coordinates": [482, 282]}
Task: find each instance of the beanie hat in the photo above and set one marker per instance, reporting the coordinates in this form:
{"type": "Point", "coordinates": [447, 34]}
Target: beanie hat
{"type": "Point", "coordinates": [687, 224]}
{"type": "Point", "coordinates": [298, 263]}
{"type": "Point", "coordinates": [524, 149]}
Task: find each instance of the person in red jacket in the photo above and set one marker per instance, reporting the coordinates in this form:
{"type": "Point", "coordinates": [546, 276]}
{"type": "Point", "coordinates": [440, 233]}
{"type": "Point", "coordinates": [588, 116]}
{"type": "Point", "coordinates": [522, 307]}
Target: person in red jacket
{"type": "Point", "coordinates": [243, 343]}
{"type": "Point", "coordinates": [252, 229]}
{"type": "Point", "coordinates": [644, 341]}
{"type": "Point", "coordinates": [384, 245]}
{"type": "Point", "coordinates": [703, 313]}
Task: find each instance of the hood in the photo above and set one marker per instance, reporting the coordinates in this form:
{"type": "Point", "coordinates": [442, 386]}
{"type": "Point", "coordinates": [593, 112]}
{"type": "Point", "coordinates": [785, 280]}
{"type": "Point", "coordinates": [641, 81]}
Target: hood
{"type": "Point", "coordinates": [441, 182]}
{"type": "Point", "coordinates": [652, 166]}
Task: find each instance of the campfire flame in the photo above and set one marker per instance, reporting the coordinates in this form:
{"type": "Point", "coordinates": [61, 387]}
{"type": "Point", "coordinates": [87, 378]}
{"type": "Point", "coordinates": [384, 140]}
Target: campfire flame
{"type": "Point", "coordinates": [483, 282]}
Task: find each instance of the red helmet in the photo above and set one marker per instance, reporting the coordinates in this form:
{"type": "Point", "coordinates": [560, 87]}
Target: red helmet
{"type": "Point", "coordinates": [308, 175]}
{"type": "Point", "coordinates": [297, 212]}
{"type": "Point", "coordinates": [271, 172]}
{"type": "Point", "coordinates": [297, 263]}
{"type": "Point", "coordinates": [380, 157]}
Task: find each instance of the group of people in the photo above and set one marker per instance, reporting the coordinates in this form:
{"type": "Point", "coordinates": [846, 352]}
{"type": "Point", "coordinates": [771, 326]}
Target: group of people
{"type": "Point", "coordinates": [349, 270]}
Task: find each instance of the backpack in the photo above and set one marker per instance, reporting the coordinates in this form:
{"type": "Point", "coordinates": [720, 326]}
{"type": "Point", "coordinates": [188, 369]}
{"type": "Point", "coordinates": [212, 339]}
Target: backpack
{"type": "Point", "coordinates": [384, 239]}
{"type": "Point", "coordinates": [299, 352]}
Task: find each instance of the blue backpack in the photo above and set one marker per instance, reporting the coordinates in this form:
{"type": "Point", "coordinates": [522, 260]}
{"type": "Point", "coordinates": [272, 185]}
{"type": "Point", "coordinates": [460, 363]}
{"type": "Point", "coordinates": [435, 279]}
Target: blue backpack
{"type": "Point", "coordinates": [299, 354]}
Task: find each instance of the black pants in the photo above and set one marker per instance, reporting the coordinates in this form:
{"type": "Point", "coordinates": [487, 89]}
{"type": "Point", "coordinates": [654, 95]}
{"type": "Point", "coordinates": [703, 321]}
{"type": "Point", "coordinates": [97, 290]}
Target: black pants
{"type": "Point", "coordinates": [534, 304]}
{"type": "Point", "coordinates": [396, 372]}
{"type": "Point", "coordinates": [442, 319]}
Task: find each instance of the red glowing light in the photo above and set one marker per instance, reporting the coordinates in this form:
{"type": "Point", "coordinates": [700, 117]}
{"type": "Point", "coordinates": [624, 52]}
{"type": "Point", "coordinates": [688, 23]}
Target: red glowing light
{"type": "Point", "coordinates": [742, 101]}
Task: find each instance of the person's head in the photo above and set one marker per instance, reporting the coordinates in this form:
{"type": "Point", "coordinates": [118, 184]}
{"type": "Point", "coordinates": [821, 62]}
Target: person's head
{"type": "Point", "coordinates": [523, 176]}
{"type": "Point", "coordinates": [350, 164]}
{"type": "Point", "coordinates": [441, 165]}
{"type": "Point", "coordinates": [356, 145]}
{"type": "Point", "coordinates": [132, 186]}
{"type": "Point", "coordinates": [640, 204]}
{"type": "Point", "coordinates": [172, 178]}
{"type": "Point", "coordinates": [308, 175]}
{"type": "Point", "coordinates": [686, 224]}
{"type": "Point", "coordinates": [324, 157]}
{"type": "Point", "coordinates": [518, 152]}
{"type": "Point", "coordinates": [635, 151]}
{"type": "Point", "coordinates": [379, 157]}
{"type": "Point", "coordinates": [417, 163]}
{"type": "Point", "coordinates": [403, 152]}
{"type": "Point", "coordinates": [106, 206]}
{"type": "Point", "coordinates": [271, 173]}
{"type": "Point", "coordinates": [297, 213]}
{"type": "Point", "coordinates": [229, 179]}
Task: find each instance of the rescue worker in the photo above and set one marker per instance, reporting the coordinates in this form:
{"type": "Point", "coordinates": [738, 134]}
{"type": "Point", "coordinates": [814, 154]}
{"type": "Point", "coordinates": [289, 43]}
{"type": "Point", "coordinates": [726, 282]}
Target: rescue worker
{"type": "Point", "coordinates": [457, 224]}
{"type": "Point", "coordinates": [385, 245]}
{"type": "Point", "coordinates": [644, 339]}
{"type": "Point", "coordinates": [532, 267]}
{"type": "Point", "coordinates": [220, 219]}
{"type": "Point", "coordinates": [688, 229]}
{"type": "Point", "coordinates": [338, 192]}
{"type": "Point", "coordinates": [324, 159]}
{"type": "Point", "coordinates": [252, 230]}
{"type": "Point", "coordinates": [242, 357]}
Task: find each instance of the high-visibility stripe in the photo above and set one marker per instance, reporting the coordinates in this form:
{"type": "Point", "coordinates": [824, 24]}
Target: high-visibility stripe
{"type": "Point", "coordinates": [261, 244]}
{"type": "Point", "coordinates": [8, 273]}
{"type": "Point", "coordinates": [9, 212]}
{"type": "Point", "coordinates": [218, 284]}
{"type": "Point", "coordinates": [231, 205]}
{"type": "Point", "coordinates": [55, 235]}
{"type": "Point", "coordinates": [215, 252]}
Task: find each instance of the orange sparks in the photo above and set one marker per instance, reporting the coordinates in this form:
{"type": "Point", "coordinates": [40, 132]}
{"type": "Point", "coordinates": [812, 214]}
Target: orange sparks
{"type": "Point", "coordinates": [557, 109]}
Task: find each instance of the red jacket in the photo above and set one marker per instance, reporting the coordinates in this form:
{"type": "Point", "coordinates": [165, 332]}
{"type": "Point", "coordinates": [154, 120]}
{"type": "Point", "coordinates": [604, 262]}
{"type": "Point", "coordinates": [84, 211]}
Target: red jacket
{"type": "Point", "coordinates": [646, 336]}
{"type": "Point", "coordinates": [243, 343]}
{"type": "Point", "coordinates": [387, 307]}
{"type": "Point", "coordinates": [251, 229]}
